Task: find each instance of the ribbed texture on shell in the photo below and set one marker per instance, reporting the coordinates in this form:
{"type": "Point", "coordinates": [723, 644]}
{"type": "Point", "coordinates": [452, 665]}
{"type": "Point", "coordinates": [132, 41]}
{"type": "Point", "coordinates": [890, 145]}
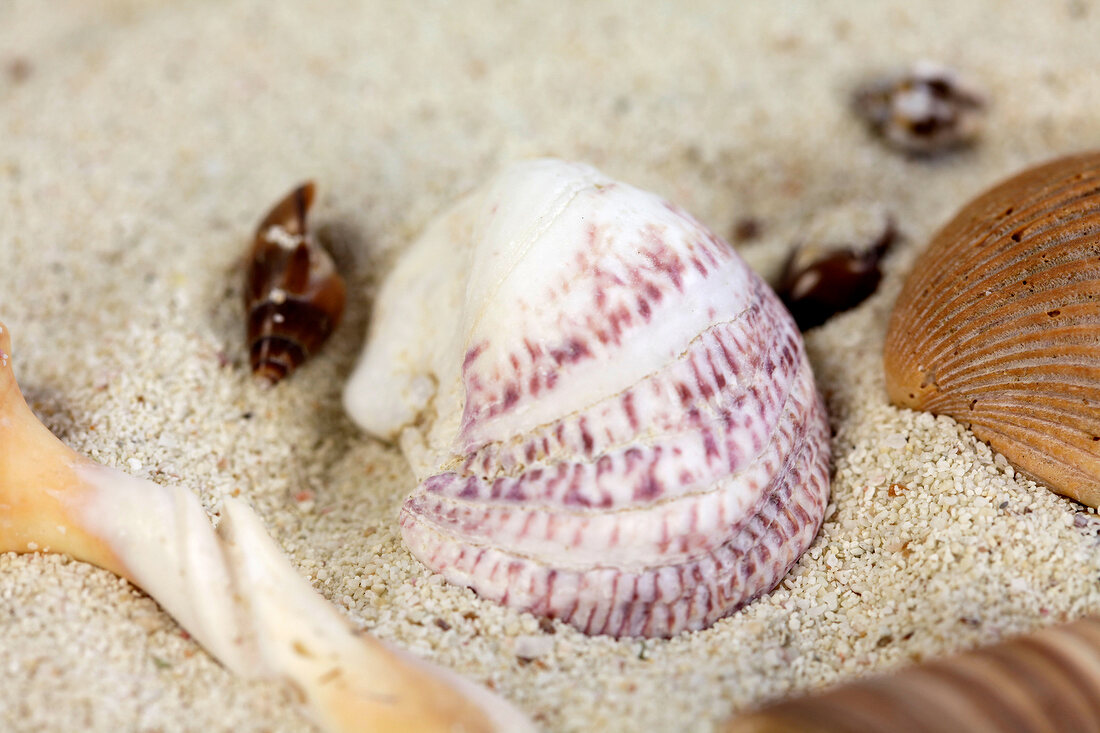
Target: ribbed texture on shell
{"type": "Point", "coordinates": [649, 508]}
{"type": "Point", "coordinates": [1043, 683]}
{"type": "Point", "coordinates": [999, 324]}
{"type": "Point", "coordinates": [661, 521]}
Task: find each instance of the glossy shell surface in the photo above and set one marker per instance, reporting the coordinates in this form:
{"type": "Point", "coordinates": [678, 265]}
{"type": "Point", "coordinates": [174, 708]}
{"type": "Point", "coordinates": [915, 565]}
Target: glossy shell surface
{"type": "Point", "coordinates": [294, 296]}
{"type": "Point", "coordinates": [999, 324]}
{"type": "Point", "coordinates": [613, 419]}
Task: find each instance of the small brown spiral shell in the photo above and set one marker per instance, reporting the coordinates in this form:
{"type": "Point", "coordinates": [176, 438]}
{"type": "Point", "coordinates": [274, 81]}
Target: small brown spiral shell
{"type": "Point", "coordinates": [1046, 682]}
{"type": "Point", "coordinates": [293, 295]}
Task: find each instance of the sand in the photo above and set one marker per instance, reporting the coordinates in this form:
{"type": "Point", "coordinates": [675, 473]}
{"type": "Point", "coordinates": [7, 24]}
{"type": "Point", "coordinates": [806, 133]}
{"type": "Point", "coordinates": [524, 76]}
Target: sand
{"type": "Point", "coordinates": [140, 142]}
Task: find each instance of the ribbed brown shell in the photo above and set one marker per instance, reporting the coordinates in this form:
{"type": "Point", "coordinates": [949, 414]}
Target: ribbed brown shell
{"type": "Point", "coordinates": [293, 294]}
{"type": "Point", "coordinates": [998, 325]}
{"type": "Point", "coordinates": [1047, 682]}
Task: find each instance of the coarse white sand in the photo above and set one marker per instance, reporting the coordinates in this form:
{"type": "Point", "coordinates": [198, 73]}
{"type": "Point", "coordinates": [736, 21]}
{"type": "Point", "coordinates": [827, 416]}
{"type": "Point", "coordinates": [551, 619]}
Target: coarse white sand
{"type": "Point", "coordinates": [140, 142]}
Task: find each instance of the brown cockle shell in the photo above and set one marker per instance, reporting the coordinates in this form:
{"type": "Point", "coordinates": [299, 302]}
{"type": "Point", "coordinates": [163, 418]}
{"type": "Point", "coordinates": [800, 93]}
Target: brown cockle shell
{"type": "Point", "coordinates": [1045, 682]}
{"type": "Point", "coordinates": [293, 295]}
{"type": "Point", "coordinates": [998, 325]}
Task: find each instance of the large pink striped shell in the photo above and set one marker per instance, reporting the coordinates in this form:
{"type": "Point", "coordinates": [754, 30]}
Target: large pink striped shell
{"type": "Point", "coordinates": [612, 418]}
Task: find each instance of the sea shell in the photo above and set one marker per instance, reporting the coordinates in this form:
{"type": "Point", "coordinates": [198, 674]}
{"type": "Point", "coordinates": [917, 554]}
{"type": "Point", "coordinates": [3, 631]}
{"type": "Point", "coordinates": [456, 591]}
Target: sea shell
{"type": "Point", "coordinates": [999, 324]}
{"type": "Point", "coordinates": [1047, 681]}
{"type": "Point", "coordinates": [294, 296]}
{"type": "Point", "coordinates": [835, 266]}
{"type": "Point", "coordinates": [927, 110]}
{"type": "Point", "coordinates": [231, 588]}
{"type": "Point", "coordinates": [613, 419]}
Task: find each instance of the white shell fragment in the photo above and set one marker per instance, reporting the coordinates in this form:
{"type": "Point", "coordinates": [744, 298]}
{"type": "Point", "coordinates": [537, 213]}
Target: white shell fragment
{"type": "Point", "coordinates": [611, 417]}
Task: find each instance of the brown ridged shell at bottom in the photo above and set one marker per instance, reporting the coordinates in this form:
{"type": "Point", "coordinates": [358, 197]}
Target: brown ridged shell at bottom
{"type": "Point", "coordinates": [1045, 682]}
{"type": "Point", "coordinates": [998, 325]}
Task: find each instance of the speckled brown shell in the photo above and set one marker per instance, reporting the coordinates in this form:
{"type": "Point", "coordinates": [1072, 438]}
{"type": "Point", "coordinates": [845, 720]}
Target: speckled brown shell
{"type": "Point", "coordinates": [998, 325]}
{"type": "Point", "coordinates": [293, 295]}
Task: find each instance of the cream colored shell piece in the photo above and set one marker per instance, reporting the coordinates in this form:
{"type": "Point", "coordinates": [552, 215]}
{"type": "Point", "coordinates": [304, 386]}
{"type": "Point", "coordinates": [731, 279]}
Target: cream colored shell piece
{"type": "Point", "coordinates": [231, 587]}
{"type": "Point", "coordinates": [611, 417]}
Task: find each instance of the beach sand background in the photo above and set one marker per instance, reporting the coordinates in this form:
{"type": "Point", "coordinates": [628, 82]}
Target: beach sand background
{"type": "Point", "coordinates": [140, 142]}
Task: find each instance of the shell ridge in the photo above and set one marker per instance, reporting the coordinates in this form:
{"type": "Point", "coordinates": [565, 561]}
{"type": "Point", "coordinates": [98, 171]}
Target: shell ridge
{"type": "Point", "coordinates": [1048, 290]}
{"type": "Point", "coordinates": [476, 447]}
{"type": "Point", "coordinates": [757, 514]}
{"type": "Point", "coordinates": [1030, 347]}
{"type": "Point", "coordinates": [1036, 207]}
{"type": "Point", "coordinates": [955, 310]}
{"type": "Point", "coordinates": [595, 336]}
{"type": "Point", "coordinates": [1016, 367]}
{"type": "Point", "coordinates": [785, 382]}
{"type": "Point", "coordinates": [1032, 273]}
{"type": "Point", "coordinates": [462, 511]}
{"type": "Point", "coordinates": [940, 339]}
{"type": "Point", "coordinates": [1038, 464]}
{"type": "Point", "coordinates": [1013, 401]}
{"type": "Point", "coordinates": [574, 188]}
{"type": "Point", "coordinates": [1066, 395]}
{"type": "Point", "coordinates": [1007, 381]}
{"type": "Point", "coordinates": [973, 241]}
{"type": "Point", "coordinates": [720, 401]}
{"type": "Point", "coordinates": [974, 236]}
{"type": "Point", "coordinates": [1039, 424]}
{"type": "Point", "coordinates": [479, 501]}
